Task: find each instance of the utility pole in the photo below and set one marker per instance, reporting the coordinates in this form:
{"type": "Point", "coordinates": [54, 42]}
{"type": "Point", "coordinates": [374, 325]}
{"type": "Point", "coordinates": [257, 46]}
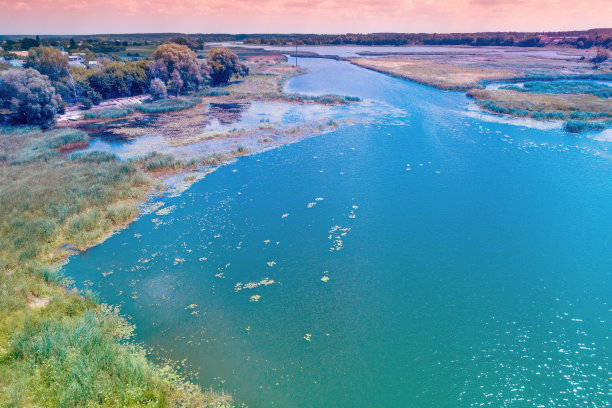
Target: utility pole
{"type": "Point", "coordinates": [296, 53]}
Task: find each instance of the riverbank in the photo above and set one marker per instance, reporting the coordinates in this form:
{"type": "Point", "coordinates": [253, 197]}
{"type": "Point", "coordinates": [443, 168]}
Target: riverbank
{"type": "Point", "coordinates": [471, 71]}
{"type": "Point", "coordinates": [59, 347]}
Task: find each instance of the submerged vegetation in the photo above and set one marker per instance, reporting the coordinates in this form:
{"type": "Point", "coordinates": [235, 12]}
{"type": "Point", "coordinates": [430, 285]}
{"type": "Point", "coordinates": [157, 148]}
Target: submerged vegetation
{"type": "Point", "coordinates": [59, 348]}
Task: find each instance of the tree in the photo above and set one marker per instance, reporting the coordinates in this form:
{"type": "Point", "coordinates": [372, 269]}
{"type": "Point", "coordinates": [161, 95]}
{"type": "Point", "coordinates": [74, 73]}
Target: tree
{"type": "Point", "coordinates": [30, 95]}
{"type": "Point", "coordinates": [158, 89]}
{"type": "Point", "coordinates": [171, 57]}
{"type": "Point", "coordinates": [49, 61]}
{"type": "Point", "coordinates": [28, 43]}
{"type": "Point", "coordinates": [224, 63]}
{"type": "Point", "coordinates": [176, 81]}
{"type": "Point", "coordinates": [602, 56]}
{"type": "Point", "coordinates": [121, 79]}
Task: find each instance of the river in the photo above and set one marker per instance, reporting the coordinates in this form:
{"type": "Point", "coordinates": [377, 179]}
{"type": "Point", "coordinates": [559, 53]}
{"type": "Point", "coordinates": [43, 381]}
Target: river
{"type": "Point", "coordinates": [431, 258]}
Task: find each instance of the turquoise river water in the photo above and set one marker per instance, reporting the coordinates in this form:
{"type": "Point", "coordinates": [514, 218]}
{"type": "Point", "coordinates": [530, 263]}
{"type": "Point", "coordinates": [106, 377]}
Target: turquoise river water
{"type": "Point", "coordinates": [423, 256]}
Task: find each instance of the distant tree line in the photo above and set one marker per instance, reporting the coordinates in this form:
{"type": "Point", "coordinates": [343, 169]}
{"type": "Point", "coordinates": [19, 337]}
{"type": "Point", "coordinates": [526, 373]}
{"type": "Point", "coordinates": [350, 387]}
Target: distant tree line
{"type": "Point", "coordinates": [578, 39]}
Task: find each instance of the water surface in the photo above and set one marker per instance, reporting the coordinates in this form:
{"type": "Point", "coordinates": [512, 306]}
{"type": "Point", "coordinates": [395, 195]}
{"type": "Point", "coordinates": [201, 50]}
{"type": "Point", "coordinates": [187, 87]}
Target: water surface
{"type": "Point", "coordinates": [421, 257]}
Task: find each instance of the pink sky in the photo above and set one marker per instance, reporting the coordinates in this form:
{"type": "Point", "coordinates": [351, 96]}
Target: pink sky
{"type": "Point", "coordinates": [299, 16]}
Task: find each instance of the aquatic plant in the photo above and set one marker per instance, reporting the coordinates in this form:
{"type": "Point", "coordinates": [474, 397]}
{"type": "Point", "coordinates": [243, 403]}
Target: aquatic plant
{"type": "Point", "coordinates": [160, 161]}
{"type": "Point", "coordinates": [563, 87]}
{"type": "Point", "coordinates": [589, 115]}
{"type": "Point", "coordinates": [93, 157]}
{"type": "Point", "coordinates": [109, 113]}
{"type": "Point", "coordinates": [577, 126]}
{"type": "Point", "coordinates": [213, 92]}
{"type": "Point", "coordinates": [168, 105]}
{"type": "Point", "coordinates": [326, 99]}
{"type": "Point", "coordinates": [32, 143]}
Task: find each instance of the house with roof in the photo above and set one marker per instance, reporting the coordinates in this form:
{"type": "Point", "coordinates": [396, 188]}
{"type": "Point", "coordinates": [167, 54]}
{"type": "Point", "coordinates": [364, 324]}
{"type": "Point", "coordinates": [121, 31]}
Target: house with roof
{"type": "Point", "coordinates": [17, 63]}
{"type": "Point", "coordinates": [75, 60]}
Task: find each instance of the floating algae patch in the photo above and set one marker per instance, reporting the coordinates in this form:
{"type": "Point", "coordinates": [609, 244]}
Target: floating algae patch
{"type": "Point", "coordinates": [336, 234]}
{"type": "Point", "coordinates": [252, 285]}
{"type": "Point", "coordinates": [166, 211]}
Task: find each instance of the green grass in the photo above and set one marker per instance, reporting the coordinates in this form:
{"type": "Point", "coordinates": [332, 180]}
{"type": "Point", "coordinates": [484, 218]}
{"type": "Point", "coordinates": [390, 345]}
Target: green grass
{"type": "Point", "coordinates": [108, 113]}
{"type": "Point", "coordinates": [159, 161]}
{"type": "Point", "coordinates": [563, 87]}
{"type": "Point", "coordinates": [578, 126]}
{"type": "Point", "coordinates": [168, 105]}
{"type": "Point", "coordinates": [324, 99]}
{"type": "Point", "coordinates": [213, 92]}
{"type": "Point", "coordinates": [20, 145]}
{"type": "Point", "coordinates": [74, 352]}
{"type": "Point", "coordinates": [93, 157]}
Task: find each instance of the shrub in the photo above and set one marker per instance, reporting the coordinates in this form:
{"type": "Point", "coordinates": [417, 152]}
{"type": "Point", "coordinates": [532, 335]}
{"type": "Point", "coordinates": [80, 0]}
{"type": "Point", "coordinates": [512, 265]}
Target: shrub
{"type": "Point", "coordinates": [86, 103]}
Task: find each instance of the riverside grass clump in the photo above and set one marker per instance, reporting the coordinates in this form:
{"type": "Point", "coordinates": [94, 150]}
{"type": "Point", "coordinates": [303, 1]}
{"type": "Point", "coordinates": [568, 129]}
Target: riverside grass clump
{"type": "Point", "coordinates": [578, 126]}
{"type": "Point", "coordinates": [168, 105]}
{"type": "Point", "coordinates": [564, 87]}
{"type": "Point", "coordinates": [58, 347]}
{"type": "Point", "coordinates": [26, 144]}
{"type": "Point", "coordinates": [75, 352]}
{"type": "Point", "coordinates": [159, 161]}
{"type": "Point", "coordinates": [323, 99]}
{"type": "Point", "coordinates": [109, 113]}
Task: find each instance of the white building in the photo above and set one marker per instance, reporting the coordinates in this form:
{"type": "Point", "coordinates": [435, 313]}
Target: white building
{"type": "Point", "coordinates": [75, 60]}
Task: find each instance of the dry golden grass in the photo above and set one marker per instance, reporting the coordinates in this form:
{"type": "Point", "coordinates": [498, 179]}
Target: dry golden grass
{"type": "Point", "coordinates": [443, 76]}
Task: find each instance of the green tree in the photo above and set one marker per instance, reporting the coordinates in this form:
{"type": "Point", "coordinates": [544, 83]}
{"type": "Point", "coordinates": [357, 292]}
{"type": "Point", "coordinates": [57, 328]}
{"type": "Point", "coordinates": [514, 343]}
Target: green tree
{"type": "Point", "coordinates": [224, 63]}
{"type": "Point", "coordinates": [171, 57]}
{"type": "Point", "coordinates": [30, 95]}
{"type": "Point", "coordinates": [121, 79]}
{"type": "Point", "coordinates": [158, 90]}
{"type": "Point", "coordinates": [49, 61]}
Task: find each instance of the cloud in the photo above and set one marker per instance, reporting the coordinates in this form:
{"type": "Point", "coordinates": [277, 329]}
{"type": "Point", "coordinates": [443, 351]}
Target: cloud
{"type": "Point", "coordinates": [333, 16]}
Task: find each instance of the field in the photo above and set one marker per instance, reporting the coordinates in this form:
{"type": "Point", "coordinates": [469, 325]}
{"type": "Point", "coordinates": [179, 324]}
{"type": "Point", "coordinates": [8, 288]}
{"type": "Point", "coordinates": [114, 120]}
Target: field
{"type": "Point", "coordinates": [443, 76]}
{"type": "Point", "coordinates": [59, 347]}
{"type": "Point", "coordinates": [551, 96]}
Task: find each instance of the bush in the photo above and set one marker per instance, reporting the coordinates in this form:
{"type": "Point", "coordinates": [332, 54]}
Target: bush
{"type": "Point", "coordinates": [86, 103]}
{"type": "Point", "coordinates": [158, 89]}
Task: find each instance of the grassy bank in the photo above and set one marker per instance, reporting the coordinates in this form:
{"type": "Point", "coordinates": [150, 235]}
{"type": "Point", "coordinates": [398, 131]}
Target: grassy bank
{"type": "Point", "coordinates": [59, 348]}
{"type": "Point", "coordinates": [565, 102]}
{"type": "Point", "coordinates": [441, 76]}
